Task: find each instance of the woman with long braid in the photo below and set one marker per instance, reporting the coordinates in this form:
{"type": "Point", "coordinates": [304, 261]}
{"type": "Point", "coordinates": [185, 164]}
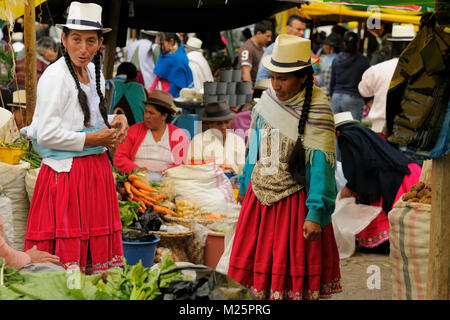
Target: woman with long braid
{"type": "Point", "coordinates": [74, 212]}
{"type": "Point", "coordinates": [284, 245]}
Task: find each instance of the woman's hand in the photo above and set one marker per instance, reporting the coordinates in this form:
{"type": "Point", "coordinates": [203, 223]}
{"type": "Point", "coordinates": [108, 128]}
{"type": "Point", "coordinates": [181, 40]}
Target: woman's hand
{"type": "Point", "coordinates": [104, 137]}
{"type": "Point", "coordinates": [311, 231]}
{"type": "Point", "coordinates": [346, 193]}
{"type": "Point", "coordinates": [38, 256]}
{"type": "Point", "coordinates": [120, 122]}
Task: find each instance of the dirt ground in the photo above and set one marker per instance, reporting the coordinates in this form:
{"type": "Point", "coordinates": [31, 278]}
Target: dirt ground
{"type": "Point", "coordinates": [359, 272]}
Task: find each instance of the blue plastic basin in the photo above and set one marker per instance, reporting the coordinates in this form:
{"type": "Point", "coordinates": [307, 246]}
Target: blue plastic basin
{"type": "Point", "coordinates": [145, 251]}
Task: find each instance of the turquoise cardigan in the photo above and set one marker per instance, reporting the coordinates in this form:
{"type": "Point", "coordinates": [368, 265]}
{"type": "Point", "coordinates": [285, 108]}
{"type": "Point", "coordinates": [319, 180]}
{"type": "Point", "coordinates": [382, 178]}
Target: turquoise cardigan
{"type": "Point", "coordinates": [320, 179]}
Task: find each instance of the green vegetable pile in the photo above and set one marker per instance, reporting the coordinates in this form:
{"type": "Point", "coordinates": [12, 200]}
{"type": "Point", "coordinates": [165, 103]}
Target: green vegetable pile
{"type": "Point", "coordinates": [33, 158]}
{"type": "Point", "coordinates": [129, 283]}
{"type": "Point", "coordinates": [128, 210]}
{"type": "Point", "coordinates": [21, 144]}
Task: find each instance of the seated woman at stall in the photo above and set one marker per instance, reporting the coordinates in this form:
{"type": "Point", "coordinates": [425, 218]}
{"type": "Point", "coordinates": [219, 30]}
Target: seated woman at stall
{"type": "Point", "coordinates": [218, 143]}
{"type": "Point", "coordinates": [154, 144]}
{"type": "Point", "coordinates": [377, 174]}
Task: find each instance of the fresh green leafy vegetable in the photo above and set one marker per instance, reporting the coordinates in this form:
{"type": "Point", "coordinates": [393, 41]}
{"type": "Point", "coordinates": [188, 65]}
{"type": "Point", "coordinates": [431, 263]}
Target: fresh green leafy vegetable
{"type": "Point", "coordinates": [128, 210]}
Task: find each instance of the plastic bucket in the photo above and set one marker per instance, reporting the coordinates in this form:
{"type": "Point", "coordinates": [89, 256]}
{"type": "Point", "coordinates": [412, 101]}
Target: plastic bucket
{"type": "Point", "coordinates": [214, 247]}
{"type": "Point", "coordinates": [145, 251]}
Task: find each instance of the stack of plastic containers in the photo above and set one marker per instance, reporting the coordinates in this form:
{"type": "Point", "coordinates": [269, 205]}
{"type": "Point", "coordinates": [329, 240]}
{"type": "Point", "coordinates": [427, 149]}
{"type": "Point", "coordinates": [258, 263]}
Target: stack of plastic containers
{"type": "Point", "coordinates": [230, 88]}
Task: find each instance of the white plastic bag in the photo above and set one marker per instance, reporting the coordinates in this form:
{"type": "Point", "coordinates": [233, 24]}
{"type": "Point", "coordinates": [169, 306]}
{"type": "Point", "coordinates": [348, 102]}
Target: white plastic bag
{"type": "Point", "coordinates": [30, 181]}
{"type": "Point", "coordinates": [348, 220]}
{"type": "Point", "coordinates": [12, 180]}
{"type": "Point", "coordinates": [205, 184]}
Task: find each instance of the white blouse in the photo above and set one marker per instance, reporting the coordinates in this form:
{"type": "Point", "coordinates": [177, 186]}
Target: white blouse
{"type": "Point", "coordinates": [155, 156]}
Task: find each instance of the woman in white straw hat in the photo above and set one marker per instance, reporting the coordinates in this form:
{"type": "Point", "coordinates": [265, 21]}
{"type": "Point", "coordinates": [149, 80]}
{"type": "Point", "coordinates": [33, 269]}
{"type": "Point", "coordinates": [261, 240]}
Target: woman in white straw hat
{"type": "Point", "coordinates": [284, 245]}
{"type": "Point", "coordinates": [74, 212]}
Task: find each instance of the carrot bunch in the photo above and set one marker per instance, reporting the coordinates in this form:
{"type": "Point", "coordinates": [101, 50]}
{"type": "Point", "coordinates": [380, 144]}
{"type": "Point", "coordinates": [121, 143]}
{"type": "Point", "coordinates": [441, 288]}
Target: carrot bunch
{"type": "Point", "coordinates": [147, 196]}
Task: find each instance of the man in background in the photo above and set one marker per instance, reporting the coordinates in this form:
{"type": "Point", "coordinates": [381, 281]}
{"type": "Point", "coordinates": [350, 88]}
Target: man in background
{"type": "Point", "coordinates": [251, 52]}
{"type": "Point", "coordinates": [295, 26]}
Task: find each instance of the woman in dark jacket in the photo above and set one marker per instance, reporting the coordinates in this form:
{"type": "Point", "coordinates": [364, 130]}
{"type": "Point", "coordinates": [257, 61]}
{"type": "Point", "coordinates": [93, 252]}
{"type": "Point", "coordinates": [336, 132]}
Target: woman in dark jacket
{"type": "Point", "coordinates": [346, 72]}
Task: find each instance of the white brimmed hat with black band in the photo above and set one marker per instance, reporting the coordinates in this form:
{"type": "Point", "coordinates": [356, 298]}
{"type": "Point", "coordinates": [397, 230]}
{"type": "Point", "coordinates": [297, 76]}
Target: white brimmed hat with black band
{"type": "Point", "coordinates": [342, 118]}
{"type": "Point", "coordinates": [218, 111]}
{"type": "Point", "coordinates": [84, 16]}
{"type": "Point", "coordinates": [290, 53]}
{"type": "Point", "coordinates": [19, 99]}
{"type": "Point", "coordinates": [402, 33]}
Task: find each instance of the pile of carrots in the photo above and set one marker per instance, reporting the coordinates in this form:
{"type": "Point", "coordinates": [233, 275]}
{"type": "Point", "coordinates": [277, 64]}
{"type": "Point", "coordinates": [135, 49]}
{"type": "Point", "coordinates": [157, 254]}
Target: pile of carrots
{"type": "Point", "coordinates": [140, 192]}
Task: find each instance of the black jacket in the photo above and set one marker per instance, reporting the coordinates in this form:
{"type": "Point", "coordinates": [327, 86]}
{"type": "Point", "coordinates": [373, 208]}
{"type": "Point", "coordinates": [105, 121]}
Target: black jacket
{"type": "Point", "coordinates": [346, 73]}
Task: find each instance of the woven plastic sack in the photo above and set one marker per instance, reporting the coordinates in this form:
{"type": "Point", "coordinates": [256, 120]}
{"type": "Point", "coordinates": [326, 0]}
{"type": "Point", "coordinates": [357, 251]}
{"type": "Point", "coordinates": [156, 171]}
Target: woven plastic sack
{"type": "Point", "coordinates": [30, 181]}
{"type": "Point", "coordinates": [6, 216]}
{"type": "Point", "coordinates": [13, 183]}
{"type": "Point", "coordinates": [205, 184]}
{"type": "Point", "coordinates": [409, 238]}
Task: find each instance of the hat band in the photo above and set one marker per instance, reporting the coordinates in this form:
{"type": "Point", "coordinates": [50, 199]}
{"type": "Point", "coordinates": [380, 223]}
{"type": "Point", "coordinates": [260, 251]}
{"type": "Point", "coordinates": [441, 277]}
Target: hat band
{"type": "Point", "coordinates": [85, 23]}
{"type": "Point", "coordinates": [220, 113]}
{"type": "Point", "coordinates": [290, 64]}
{"type": "Point", "coordinates": [402, 37]}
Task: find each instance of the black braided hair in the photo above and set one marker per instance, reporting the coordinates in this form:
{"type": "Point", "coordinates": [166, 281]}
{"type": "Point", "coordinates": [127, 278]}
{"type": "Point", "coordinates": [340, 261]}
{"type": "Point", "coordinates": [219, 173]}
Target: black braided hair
{"type": "Point", "coordinates": [101, 105]}
{"type": "Point", "coordinates": [82, 98]}
{"type": "Point", "coordinates": [297, 159]}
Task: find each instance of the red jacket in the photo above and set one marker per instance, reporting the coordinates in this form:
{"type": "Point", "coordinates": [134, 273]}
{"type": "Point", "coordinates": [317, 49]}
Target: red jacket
{"type": "Point", "coordinates": [126, 152]}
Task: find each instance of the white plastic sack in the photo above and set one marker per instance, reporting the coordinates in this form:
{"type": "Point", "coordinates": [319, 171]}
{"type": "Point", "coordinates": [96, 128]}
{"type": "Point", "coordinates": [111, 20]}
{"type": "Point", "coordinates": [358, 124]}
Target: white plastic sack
{"type": "Point", "coordinates": [12, 180]}
{"type": "Point", "coordinates": [6, 216]}
{"type": "Point", "coordinates": [205, 184]}
{"type": "Point", "coordinates": [224, 261]}
{"type": "Point", "coordinates": [30, 181]}
{"type": "Point", "coordinates": [348, 220]}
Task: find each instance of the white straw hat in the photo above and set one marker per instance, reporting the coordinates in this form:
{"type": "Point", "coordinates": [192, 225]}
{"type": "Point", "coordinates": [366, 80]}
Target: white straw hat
{"type": "Point", "coordinates": [194, 43]}
{"type": "Point", "coordinates": [84, 16]}
{"type": "Point", "coordinates": [150, 32]}
{"type": "Point", "coordinates": [19, 99]}
{"type": "Point", "coordinates": [290, 53]}
{"type": "Point", "coordinates": [402, 33]}
{"type": "Point", "coordinates": [342, 118]}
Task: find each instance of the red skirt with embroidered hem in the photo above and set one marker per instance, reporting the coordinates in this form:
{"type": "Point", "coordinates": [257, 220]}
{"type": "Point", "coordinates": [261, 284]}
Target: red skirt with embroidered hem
{"type": "Point", "coordinates": [272, 258]}
{"type": "Point", "coordinates": [377, 231]}
{"type": "Point", "coordinates": [75, 215]}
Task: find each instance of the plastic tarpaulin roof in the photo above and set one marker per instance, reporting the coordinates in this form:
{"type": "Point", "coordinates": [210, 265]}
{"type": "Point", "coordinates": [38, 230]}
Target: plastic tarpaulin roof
{"type": "Point", "coordinates": [13, 9]}
{"type": "Point", "coordinates": [343, 13]}
{"type": "Point", "coordinates": [419, 5]}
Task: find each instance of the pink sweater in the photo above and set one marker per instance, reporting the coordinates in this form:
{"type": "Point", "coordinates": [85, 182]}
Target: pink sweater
{"type": "Point", "coordinates": [126, 152]}
{"type": "Point", "coordinates": [12, 257]}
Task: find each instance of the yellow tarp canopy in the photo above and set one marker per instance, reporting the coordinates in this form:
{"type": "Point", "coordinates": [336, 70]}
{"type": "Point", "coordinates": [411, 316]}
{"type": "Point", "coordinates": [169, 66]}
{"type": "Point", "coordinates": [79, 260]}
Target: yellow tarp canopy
{"type": "Point", "coordinates": [10, 10]}
{"type": "Point", "coordinates": [335, 13]}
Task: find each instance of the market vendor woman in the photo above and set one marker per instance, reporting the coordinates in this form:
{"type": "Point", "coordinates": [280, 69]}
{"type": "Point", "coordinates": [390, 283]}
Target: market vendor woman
{"type": "Point", "coordinates": [154, 144]}
{"type": "Point", "coordinates": [74, 213]}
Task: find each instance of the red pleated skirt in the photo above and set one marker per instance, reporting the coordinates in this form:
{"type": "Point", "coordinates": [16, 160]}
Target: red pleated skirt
{"type": "Point", "coordinates": [377, 231]}
{"type": "Point", "coordinates": [75, 215]}
{"type": "Point", "coordinates": [271, 257]}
